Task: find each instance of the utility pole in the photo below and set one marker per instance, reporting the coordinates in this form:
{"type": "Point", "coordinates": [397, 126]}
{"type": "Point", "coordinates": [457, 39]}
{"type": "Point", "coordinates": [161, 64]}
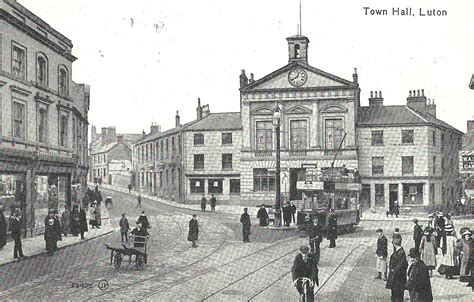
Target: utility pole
{"type": "Point", "coordinates": [276, 121]}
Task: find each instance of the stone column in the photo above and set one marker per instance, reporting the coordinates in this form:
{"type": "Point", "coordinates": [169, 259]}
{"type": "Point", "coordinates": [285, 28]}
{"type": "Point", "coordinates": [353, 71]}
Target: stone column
{"type": "Point", "coordinates": [314, 126]}
{"type": "Point", "coordinates": [400, 194]}
{"type": "Point", "coordinates": [426, 193]}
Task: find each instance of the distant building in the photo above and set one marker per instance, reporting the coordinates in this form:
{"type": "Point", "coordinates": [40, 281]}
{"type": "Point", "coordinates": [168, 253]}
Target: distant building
{"type": "Point", "coordinates": [406, 154]}
{"type": "Point", "coordinates": [111, 156]}
{"type": "Point", "coordinates": [211, 160]}
{"type": "Point", "coordinates": [43, 118]}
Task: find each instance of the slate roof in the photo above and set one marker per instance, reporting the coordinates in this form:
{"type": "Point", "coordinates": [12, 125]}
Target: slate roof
{"type": "Point", "coordinates": [397, 116]}
{"type": "Point", "coordinates": [105, 148]}
{"type": "Point", "coordinates": [218, 121]}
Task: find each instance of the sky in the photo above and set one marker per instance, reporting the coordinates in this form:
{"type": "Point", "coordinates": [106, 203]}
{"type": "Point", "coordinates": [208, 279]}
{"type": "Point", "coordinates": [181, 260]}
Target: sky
{"type": "Point", "coordinates": [146, 59]}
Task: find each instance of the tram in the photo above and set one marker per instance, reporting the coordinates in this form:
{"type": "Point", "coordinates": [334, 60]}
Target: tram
{"type": "Point", "coordinates": [336, 189]}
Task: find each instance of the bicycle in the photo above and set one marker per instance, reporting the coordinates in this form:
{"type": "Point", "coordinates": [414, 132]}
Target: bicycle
{"type": "Point", "coordinates": [306, 284]}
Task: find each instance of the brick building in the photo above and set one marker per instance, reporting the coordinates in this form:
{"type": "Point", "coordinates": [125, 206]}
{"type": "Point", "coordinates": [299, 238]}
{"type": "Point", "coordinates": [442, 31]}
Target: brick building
{"type": "Point", "coordinates": [406, 154]}
{"type": "Point", "coordinates": [43, 118]}
{"type": "Point", "coordinates": [318, 116]}
{"type": "Point", "coordinates": [211, 161]}
{"type": "Point", "coordinates": [111, 156]}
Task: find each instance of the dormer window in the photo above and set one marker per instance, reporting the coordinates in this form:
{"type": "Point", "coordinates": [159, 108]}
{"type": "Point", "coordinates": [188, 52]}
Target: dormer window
{"type": "Point", "coordinates": [63, 81]}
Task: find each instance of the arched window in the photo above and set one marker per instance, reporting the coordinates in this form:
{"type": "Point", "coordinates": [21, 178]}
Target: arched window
{"type": "Point", "coordinates": [63, 132]}
{"type": "Point", "coordinates": [63, 81]}
{"type": "Point", "coordinates": [297, 51]}
{"type": "Point", "coordinates": [42, 71]}
{"type": "Point", "coordinates": [43, 125]}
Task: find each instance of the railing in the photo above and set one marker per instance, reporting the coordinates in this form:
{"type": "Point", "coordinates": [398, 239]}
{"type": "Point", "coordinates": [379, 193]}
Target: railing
{"type": "Point", "coordinates": [263, 153]}
{"type": "Point", "coordinates": [297, 153]}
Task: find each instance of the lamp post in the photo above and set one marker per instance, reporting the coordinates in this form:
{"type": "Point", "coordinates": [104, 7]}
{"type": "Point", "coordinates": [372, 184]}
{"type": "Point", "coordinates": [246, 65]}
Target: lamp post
{"type": "Point", "coordinates": [276, 123]}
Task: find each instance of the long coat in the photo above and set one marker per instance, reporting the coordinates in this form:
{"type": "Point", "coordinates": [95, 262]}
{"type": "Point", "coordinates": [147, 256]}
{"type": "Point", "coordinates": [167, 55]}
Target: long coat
{"type": "Point", "coordinates": [3, 230]}
{"type": "Point", "coordinates": [382, 246]}
{"type": "Point", "coordinates": [466, 248]}
{"type": "Point", "coordinates": [144, 221]}
{"type": "Point", "coordinates": [98, 215]}
{"type": "Point", "coordinates": [397, 276]}
{"type": "Point", "coordinates": [246, 223]}
{"type": "Point", "coordinates": [83, 221]}
{"type": "Point", "coordinates": [418, 284]}
{"type": "Point", "coordinates": [449, 258]}
{"type": "Point", "coordinates": [193, 230]}
{"type": "Point", "coordinates": [315, 232]}
{"type": "Point", "coordinates": [65, 222]}
{"type": "Point", "coordinates": [308, 269]}
{"type": "Point", "coordinates": [332, 226]}
{"type": "Point", "coordinates": [428, 252]}
{"type": "Point", "coordinates": [417, 233]}
{"type": "Point", "coordinates": [262, 215]}
{"type": "Point", "coordinates": [15, 227]}
{"type": "Point", "coordinates": [74, 222]}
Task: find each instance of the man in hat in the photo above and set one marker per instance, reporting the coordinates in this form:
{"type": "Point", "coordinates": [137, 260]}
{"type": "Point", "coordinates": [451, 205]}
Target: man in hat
{"type": "Point", "coordinates": [397, 276]}
{"type": "Point", "coordinates": [417, 234]}
{"type": "Point", "coordinates": [124, 227]}
{"type": "Point", "coordinates": [193, 234]}
{"type": "Point", "coordinates": [203, 203]}
{"type": "Point", "coordinates": [418, 284]}
{"type": "Point", "coordinates": [262, 215]}
{"type": "Point", "coordinates": [15, 231]}
{"type": "Point", "coordinates": [381, 253]}
{"type": "Point", "coordinates": [213, 203]}
{"type": "Point", "coordinates": [315, 236]}
{"type": "Point", "coordinates": [305, 265]}
{"type": "Point", "coordinates": [441, 236]}
{"type": "Point", "coordinates": [332, 229]}
{"type": "Point", "coordinates": [293, 212]}
{"type": "Point", "coordinates": [3, 229]}
{"type": "Point", "coordinates": [144, 220]}
{"type": "Point", "coordinates": [246, 223]}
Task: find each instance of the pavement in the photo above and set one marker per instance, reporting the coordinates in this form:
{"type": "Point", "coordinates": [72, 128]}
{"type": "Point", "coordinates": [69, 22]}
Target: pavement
{"type": "Point", "coordinates": [36, 245]}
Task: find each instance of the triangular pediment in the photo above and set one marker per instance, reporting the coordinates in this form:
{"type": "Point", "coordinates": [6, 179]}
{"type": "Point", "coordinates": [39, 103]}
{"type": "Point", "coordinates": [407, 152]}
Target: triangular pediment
{"type": "Point", "coordinates": [279, 79]}
{"type": "Point", "coordinates": [298, 110]}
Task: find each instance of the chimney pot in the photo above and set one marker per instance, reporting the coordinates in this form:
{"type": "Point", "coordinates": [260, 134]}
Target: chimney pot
{"type": "Point", "coordinates": [380, 94]}
{"type": "Point", "coordinates": [422, 92]}
{"type": "Point", "coordinates": [371, 94]}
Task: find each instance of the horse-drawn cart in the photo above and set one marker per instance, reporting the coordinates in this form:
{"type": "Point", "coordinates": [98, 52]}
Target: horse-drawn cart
{"type": "Point", "coordinates": [139, 250]}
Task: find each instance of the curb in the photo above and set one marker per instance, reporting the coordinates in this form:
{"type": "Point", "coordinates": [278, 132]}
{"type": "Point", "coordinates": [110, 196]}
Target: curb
{"type": "Point", "coordinates": [60, 248]}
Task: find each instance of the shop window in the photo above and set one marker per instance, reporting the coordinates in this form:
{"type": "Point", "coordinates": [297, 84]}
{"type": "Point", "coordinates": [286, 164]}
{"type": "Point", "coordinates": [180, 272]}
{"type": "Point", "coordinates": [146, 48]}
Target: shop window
{"type": "Point", "coordinates": [214, 186]}
{"type": "Point", "coordinates": [412, 193]}
{"type": "Point", "coordinates": [264, 135]}
{"type": "Point", "coordinates": [299, 135]}
{"type": "Point", "coordinates": [19, 120]}
{"type": "Point", "coordinates": [263, 180]}
{"type": "Point", "coordinates": [198, 139]}
{"type": "Point", "coordinates": [377, 138]}
{"type": "Point", "coordinates": [379, 195]}
{"type": "Point", "coordinates": [333, 133]}
{"type": "Point", "coordinates": [377, 165]}
{"type": "Point", "coordinates": [198, 161]}
{"type": "Point", "coordinates": [234, 186]}
{"type": "Point", "coordinates": [42, 71]}
{"type": "Point", "coordinates": [197, 186]}
{"type": "Point", "coordinates": [226, 161]}
{"type": "Point", "coordinates": [227, 138]}
{"type": "Point", "coordinates": [19, 62]}
{"type": "Point", "coordinates": [407, 165]}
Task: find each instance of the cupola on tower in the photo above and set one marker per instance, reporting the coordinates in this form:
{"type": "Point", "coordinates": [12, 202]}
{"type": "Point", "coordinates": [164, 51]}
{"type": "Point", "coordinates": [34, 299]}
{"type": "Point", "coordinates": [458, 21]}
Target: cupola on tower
{"type": "Point", "coordinates": [298, 48]}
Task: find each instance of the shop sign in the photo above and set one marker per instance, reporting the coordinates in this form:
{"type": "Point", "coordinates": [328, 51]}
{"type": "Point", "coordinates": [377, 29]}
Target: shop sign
{"type": "Point", "coordinates": [467, 161]}
{"type": "Point", "coordinates": [309, 185]}
{"type": "Point", "coordinates": [353, 186]}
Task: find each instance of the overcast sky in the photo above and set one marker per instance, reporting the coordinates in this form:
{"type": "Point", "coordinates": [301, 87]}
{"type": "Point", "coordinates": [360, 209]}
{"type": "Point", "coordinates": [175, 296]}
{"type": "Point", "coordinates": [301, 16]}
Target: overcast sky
{"type": "Point", "coordinates": [141, 73]}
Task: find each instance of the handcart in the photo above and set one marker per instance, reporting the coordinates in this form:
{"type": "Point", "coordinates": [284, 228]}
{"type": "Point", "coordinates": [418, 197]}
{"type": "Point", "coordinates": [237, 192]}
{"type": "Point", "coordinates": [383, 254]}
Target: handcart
{"type": "Point", "coordinates": [139, 250]}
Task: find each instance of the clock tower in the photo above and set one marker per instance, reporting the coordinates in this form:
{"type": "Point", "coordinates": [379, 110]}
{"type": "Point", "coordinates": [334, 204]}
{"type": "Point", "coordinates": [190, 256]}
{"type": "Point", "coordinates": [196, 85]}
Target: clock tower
{"type": "Point", "coordinates": [298, 49]}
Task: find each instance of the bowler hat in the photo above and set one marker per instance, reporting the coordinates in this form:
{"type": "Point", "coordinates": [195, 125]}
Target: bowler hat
{"type": "Point", "coordinates": [304, 249]}
{"type": "Point", "coordinates": [415, 220]}
{"type": "Point", "coordinates": [414, 253]}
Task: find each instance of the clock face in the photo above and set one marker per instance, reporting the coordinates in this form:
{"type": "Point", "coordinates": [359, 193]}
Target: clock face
{"type": "Point", "coordinates": [297, 77]}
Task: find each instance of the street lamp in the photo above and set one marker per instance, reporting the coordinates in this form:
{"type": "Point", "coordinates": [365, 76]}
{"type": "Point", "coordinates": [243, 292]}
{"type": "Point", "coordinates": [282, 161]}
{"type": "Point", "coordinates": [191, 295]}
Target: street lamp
{"type": "Point", "coordinates": [276, 123]}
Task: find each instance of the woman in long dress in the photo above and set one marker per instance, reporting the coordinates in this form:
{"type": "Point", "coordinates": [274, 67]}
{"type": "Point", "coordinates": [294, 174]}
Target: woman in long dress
{"type": "Point", "coordinates": [449, 257]}
{"type": "Point", "coordinates": [428, 250]}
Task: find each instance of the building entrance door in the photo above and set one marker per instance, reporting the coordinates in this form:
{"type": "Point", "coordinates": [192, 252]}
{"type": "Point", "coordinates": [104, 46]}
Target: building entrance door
{"type": "Point", "coordinates": [365, 197]}
{"type": "Point", "coordinates": [295, 176]}
{"type": "Point", "coordinates": [393, 189]}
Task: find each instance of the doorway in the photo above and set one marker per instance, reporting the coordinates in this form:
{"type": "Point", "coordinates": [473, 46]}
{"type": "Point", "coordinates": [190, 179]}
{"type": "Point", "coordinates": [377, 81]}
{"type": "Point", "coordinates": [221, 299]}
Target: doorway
{"type": "Point", "coordinates": [393, 196]}
{"type": "Point", "coordinates": [295, 176]}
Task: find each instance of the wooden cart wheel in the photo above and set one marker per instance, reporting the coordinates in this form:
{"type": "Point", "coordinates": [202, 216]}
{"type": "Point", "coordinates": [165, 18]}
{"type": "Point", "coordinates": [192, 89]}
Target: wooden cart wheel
{"type": "Point", "coordinates": [140, 262]}
{"type": "Point", "coordinates": [117, 260]}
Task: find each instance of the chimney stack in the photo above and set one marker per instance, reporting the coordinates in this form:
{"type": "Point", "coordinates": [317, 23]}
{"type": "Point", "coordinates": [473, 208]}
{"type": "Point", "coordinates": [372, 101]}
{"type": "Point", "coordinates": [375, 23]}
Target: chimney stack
{"type": "Point", "coordinates": [470, 127]}
{"type": "Point", "coordinates": [199, 110]}
{"type": "Point", "coordinates": [143, 132]}
{"type": "Point", "coordinates": [177, 119]}
{"type": "Point", "coordinates": [93, 133]}
{"type": "Point", "coordinates": [205, 110]}
{"type": "Point", "coordinates": [103, 135]}
{"type": "Point", "coordinates": [120, 139]}
{"type": "Point", "coordinates": [376, 99]}
{"type": "Point", "coordinates": [416, 100]}
{"type": "Point", "coordinates": [431, 107]}
{"type": "Point", "coordinates": [155, 128]}
{"type": "Point", "coordinates": [355, 77]}
{"type": "Point", "coordinates": [244, 81]}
